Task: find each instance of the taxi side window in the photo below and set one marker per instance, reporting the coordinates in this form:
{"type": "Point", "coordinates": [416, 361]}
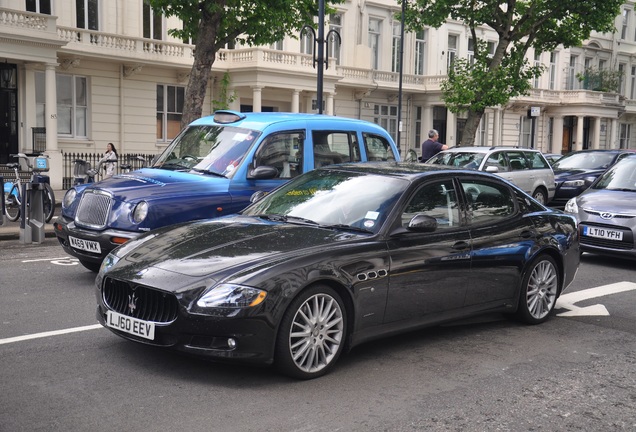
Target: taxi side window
{"type": "Point", "coordinates": [284, 152]}
{"type": "Point", "coordinates": [437, 200]}
{"type": "Point", "coordinates": [377, 148]}
{"type": "Point", "coordinates": [334, 147]}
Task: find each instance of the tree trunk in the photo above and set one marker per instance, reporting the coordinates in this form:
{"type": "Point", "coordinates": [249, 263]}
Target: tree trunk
{"type": "Point", "coordinates": [470, 129]}
{"type": "Point", "coordinates": [204, 56]}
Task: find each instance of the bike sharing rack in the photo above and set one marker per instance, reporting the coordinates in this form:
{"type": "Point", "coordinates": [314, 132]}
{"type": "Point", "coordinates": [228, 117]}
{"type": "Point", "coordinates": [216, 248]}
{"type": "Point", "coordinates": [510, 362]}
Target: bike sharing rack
{"type": "Point", "coordinates": [32, 222]}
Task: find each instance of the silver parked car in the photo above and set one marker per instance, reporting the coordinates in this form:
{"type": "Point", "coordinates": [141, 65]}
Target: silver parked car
{"type": "Point", "coordinates": [526, 168]}
{"type": "Point", "coordinates": [606, 211]}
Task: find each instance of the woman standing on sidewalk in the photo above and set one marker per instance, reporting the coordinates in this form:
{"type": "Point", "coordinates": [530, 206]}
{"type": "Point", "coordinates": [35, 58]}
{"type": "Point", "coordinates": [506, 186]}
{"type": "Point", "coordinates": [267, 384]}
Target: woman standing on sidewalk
{"type": "Point", "coordinates": [109, 160]}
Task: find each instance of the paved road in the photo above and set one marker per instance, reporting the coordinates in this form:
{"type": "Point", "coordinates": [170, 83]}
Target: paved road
{"type": "Point", "coordinates": [490, 374]}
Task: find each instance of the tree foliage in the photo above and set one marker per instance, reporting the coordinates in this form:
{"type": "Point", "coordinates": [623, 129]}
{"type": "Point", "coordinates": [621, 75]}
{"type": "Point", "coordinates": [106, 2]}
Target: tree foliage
{"type": "Point", "coordinates": [214, 23]}
{"type": "Point", "coordinates": [492, 79]}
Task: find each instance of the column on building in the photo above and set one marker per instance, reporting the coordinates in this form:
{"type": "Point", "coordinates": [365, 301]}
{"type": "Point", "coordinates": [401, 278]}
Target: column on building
{"type": "Point", "coordinates": [329, 108]}
{"type": "Point", "coordinates": [451, 129]}
{"type": "Point", "coordinates": [596, 133]}
{"type": "Point", "coordinates": [496, 127]}
{"type": "Point", "coordinates": [56, 164]}
{"type": "Point", "coordinates": [557, 134]}
{"type": "Point", "coordinates": [257, 93]}
{"type": "Point", "coordinates": [611, 137]}
{"type": "Point", "coordinates": [295, 102]}
{"type": "Point", "coordinates": [579, 133]}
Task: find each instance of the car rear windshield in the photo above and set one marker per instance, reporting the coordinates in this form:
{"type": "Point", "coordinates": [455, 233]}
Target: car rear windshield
{"type": "Point", "coordinates": [585, 161]}
{"type": "Point", "coordinates": [458, 159]}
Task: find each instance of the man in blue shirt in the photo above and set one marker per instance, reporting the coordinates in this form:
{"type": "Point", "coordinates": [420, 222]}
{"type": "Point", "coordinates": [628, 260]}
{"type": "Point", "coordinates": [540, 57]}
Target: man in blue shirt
{"type": "Point", "coordinates": [431, 147]}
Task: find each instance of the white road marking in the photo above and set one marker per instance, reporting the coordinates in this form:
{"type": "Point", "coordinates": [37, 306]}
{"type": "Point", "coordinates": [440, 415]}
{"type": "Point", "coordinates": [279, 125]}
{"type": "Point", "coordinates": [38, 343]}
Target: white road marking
{"type": "Point", "coordinates": [49, 334]}
{"type": "Point", "coordinates": [45, 259]}
{"type": "Point", "coordinates": [566, 301]}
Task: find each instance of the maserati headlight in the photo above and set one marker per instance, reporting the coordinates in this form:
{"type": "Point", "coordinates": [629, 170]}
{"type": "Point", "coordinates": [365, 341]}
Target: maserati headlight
{"type": "Point", "coordinates": [571, 206]}
{"type": "Point", "coordinates": [232, 296]}
{"type": "Point", "coordinates": [140, 212]}
{"type": "Point", "coordinates": [574, 183]}
{"type": "Point", "coordinates": [110, 260]}
{"type": "Point", "coordinates": [69, 197]}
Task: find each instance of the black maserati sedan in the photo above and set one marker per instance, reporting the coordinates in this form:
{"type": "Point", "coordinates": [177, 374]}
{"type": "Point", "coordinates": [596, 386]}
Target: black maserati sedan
{"type": "Point", "coordinates": [336, 257]}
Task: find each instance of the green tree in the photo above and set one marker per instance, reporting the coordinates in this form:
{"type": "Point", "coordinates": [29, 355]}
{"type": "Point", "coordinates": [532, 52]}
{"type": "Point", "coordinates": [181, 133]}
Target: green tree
{"type": "Point", "coordinates": [212, 24]}
{"type": "Point", "coordinates": [520, 24]}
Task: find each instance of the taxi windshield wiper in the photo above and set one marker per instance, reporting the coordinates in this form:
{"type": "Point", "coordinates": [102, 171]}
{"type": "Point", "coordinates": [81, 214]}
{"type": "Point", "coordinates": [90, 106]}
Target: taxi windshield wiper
{"type": "Point", "coordinates": [205, 171]}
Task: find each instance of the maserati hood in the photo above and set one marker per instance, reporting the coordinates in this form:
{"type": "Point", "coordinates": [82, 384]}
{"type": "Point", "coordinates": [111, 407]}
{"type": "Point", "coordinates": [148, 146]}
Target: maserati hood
{"type": "Point", "coordinates": [212, 247]}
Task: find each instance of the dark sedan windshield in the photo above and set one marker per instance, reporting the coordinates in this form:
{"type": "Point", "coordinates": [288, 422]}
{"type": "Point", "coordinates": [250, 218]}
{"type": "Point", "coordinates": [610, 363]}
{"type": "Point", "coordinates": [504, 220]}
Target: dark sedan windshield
{"type": "Point", "coordinates": [333, 198]}
{"type": "Point", "coordinates": [586, 160]}
{"type": "Point", "coordinates": [621, 176]}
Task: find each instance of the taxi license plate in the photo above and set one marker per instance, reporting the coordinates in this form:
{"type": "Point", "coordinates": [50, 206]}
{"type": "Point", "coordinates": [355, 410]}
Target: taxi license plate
{"type": "Point", "coordinates": [604, 233]}
{"type": "Point", "coordinates": [85, 245]}
{"type": "Point", "coordinates": [130, 325]}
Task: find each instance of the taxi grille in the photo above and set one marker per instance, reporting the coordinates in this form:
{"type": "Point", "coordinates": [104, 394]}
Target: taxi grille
{"type": "Point", "coordinates": [93, 210]}
{"type": "Point", "coordinates": [139, 301]}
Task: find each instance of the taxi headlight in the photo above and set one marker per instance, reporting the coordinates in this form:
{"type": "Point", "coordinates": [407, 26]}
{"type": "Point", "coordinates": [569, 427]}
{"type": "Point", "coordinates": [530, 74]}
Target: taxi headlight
{"type": "Point", "coordinates": [571, 206]}
{"type": "Point", "coordinates": [232, 296]}
{"type": "Point", "coordinates": [69, 197]}
{"type": "Point", "coordinates": [140, 212]}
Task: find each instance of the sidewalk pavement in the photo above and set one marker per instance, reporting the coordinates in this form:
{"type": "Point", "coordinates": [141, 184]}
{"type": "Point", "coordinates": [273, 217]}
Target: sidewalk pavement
{"type": "Point", "coordinates": [11, 230]}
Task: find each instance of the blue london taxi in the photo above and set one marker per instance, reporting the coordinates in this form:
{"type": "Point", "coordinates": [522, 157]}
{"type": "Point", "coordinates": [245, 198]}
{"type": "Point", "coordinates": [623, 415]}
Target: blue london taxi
{"type": "Point", "coordinates": [211, 169]}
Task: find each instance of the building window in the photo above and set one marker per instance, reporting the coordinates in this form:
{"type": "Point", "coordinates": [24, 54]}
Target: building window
{"type": "Point", "coordinates": [525, 126]}
{"type": "Point", "coordinates": [374, 41]}
{"type": "Point", "coordinates": [307, 42]}
{"type": "Point", "coordinates": [623, 140]}
{"type": "Point", "coordinates": [452, 50]}
{"type": "Point", "coordinates": [335, 24]}
{"type": "Point", "coordinates": [39, 6]}
{"type": "Point", "coordinates": [537, 62]}
{"type": "Point", "coordinates": [572, 81]}
{"type": "Point", "coordinates": [395, 47]}
{"type": "Point", "coordinates": [553, 70]}
{"type": "Point", "coordinates": [420, 51]}
{"type": "Point", "coordinates": [482, 129]}
{"type": "Point", "coordinates": [550, 133]}
{"type": "Point", "coordinates": [621, 78]}
{"type": "Point", "coordinates": [153, 23]}
{"type": "Point", "coordinates": [625, 24]}
{"type": "Point", "coordinates": [632, 94]}
{"type": "Point", "coordinates": [169, 110]}
{"type": "Point", "coordinates": [418, 127]}
{"type": "Point", "coordinates": [386, 116]}
{"type": "Point", "coordinates": [601, 64]}
{"type": "Point", "coordinates": [471, 51]}
{"type": "Point", "coordinates": [72, 105]}
{"type": "Point", "coordinates": [87, 14]}
{"type": "Point", "coordinates": [40, 99]}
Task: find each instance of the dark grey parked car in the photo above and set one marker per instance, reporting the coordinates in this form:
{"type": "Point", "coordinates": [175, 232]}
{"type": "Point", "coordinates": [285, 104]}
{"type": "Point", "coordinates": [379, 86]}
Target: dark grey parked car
{"type": "Point", "coordinates": [607, 211]}
{"type": "Point", "coordinates": [576, 171]}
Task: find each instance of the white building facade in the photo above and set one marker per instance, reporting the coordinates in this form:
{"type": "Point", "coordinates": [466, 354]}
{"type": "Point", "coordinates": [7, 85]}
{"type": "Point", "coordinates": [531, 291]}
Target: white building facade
{"type": "Point", "coordinates": [78, 74]}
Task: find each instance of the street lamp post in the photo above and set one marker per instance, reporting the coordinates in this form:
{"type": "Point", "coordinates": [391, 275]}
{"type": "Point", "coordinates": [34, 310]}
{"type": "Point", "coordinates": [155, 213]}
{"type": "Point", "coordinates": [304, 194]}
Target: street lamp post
{"type": "Point", "coordinates": [319, 49]}
{"type": "Point", "coordinates": [399, 119]}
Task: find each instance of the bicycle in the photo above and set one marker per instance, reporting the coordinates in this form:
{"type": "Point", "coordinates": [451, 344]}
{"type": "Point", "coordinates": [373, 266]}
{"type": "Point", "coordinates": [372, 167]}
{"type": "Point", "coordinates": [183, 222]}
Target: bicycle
{"type": "Point", "coordinates": [13, 192]}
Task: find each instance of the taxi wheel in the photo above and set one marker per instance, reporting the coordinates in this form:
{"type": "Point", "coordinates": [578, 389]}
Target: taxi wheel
{"type": "Point", "coordinates": [94, 267]}
{"type": "Point", "coordinates": [312, 333]}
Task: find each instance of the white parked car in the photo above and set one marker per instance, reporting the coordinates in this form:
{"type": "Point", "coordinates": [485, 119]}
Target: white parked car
{"type": "Point", "coordinates": [526, 168]}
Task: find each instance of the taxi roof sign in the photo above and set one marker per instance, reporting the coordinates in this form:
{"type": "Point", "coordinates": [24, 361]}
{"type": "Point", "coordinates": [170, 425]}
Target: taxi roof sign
{"type": "Point", "coordinates": [225, 117]}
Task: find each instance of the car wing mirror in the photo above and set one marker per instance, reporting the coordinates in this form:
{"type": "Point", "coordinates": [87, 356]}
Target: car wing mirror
{"type": "Point", "coordinates": [258, 195]}
{"type": "Point", "coordinates": [263, 172]}
{"type": "Point", "coordinates": [422, 223]}
{"type": "Point", "coordinates": [491, 169]}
